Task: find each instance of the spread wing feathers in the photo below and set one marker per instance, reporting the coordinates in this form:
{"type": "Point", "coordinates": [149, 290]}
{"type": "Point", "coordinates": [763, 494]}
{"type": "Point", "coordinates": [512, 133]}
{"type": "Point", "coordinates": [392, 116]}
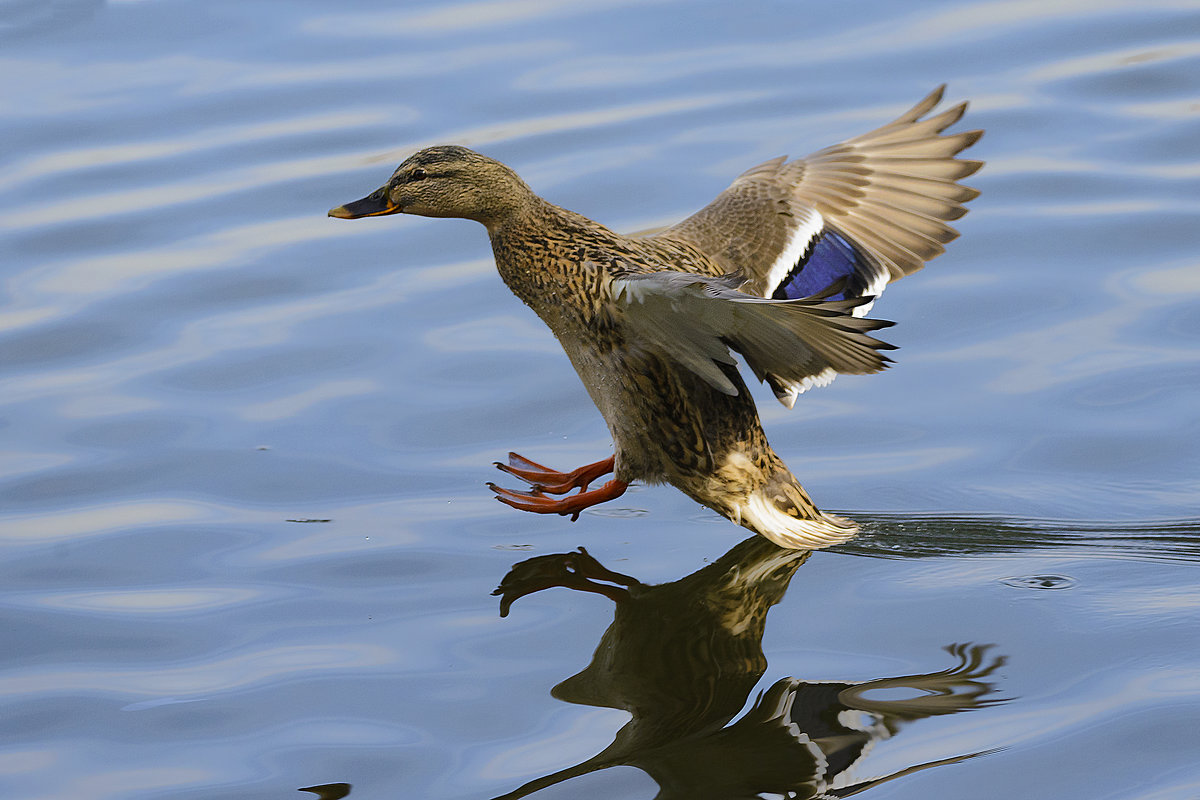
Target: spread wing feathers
{"type": "Point", "coordinates": [695, 320]}
{"type": "Point", "coordinates": [869, 210]}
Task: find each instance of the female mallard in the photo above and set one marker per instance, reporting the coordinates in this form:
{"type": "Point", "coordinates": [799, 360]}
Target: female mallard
{"type": "Point", "coordinates": [780, 267]}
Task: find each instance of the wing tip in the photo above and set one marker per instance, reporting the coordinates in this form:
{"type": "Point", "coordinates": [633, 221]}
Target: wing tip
{"type": "Point", "coordinates": [927, 104]}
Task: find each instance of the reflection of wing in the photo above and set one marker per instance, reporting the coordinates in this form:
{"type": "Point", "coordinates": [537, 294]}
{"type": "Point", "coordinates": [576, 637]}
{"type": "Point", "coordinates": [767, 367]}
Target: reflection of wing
{"type": "Point", "coordinates": [695, 320]}
{"type": "Point", "coordinates": [868, 211]}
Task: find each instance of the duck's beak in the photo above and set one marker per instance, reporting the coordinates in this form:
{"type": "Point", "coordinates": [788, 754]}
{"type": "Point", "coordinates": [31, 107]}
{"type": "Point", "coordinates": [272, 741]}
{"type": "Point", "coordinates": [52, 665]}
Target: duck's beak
{"type": "Point", "coordinates": [376, 204]}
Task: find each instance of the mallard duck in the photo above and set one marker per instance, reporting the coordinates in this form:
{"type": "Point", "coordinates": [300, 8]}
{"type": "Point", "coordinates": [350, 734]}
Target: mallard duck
{"type": "Point", "coordinates": [781, 267]}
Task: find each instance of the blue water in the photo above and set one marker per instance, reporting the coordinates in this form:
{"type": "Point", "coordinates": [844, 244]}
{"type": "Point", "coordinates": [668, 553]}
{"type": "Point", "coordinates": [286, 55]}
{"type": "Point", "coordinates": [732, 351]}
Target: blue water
{"type": "Point", "coordinates": [245, 543]}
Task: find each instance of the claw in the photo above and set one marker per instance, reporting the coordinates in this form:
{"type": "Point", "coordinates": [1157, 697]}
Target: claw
{"type": "Point", "coordinates": [518, 496]}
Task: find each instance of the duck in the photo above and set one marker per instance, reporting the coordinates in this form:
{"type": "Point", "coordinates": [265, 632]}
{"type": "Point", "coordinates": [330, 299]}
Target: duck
{"type": "Point", "coordinates": [780, 268]}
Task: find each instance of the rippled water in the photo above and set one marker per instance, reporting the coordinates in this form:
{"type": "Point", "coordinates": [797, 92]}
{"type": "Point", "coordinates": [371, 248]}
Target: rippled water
{"type": "Point", "coordinates": [246, 546]}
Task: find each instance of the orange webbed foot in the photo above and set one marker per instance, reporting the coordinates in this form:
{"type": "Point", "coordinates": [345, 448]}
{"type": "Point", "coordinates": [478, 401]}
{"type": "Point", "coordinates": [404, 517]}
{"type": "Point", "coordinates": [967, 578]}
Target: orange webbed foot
{"type": "Point", "coordinates": [544, 480]}
{"type": "Point", "coordinates": [551, 481]}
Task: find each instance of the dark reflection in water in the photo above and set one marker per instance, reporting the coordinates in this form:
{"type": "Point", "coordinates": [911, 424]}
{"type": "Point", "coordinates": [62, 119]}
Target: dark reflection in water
{"type": "Point", "coordinates": [682, 658]}
{"type": "Point", "coordinates": [329, 791]}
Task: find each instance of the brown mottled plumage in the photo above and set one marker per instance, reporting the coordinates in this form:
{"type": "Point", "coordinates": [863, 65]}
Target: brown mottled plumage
{"type": "Point", "coordinates": [779, 267]}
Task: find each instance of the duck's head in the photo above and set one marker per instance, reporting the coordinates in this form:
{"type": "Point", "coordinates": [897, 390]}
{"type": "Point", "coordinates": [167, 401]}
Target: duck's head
{"type": "Point", "coordinates": [445, 181]}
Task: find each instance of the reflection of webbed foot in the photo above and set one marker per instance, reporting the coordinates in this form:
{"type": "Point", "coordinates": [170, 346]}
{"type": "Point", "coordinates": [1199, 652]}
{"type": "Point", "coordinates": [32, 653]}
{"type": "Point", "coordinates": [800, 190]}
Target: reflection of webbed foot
{"type": "Point", "coordinates": [568, 570]}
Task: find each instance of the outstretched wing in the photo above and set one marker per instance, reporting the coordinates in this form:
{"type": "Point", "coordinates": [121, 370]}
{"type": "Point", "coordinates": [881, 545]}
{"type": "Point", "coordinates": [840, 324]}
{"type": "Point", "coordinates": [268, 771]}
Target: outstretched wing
{"type": "Point", "coordinates": [867, 211]}
{"type": "Point", "coordinates": [695, 321]}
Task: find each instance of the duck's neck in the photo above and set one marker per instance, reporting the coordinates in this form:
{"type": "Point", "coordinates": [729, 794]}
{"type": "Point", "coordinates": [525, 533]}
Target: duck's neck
{"type": "Point", "coordinates": [537, 255]}
{"type": "Point", "coordinates": [523, 214]}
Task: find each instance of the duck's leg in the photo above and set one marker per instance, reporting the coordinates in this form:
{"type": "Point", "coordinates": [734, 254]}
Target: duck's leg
{"type": "Point", "coordinates": [539, 503]}
{"type": "Point", "coordinates": [551, 481]}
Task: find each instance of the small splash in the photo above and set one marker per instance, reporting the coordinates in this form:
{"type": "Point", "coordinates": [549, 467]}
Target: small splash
{"type": "Point", "coordinates": [1041, 582]}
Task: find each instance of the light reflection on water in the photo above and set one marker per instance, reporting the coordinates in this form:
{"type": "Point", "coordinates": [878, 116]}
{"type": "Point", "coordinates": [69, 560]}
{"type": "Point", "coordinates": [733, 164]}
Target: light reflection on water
{"type": "Point", "coordinates": [246, 542]}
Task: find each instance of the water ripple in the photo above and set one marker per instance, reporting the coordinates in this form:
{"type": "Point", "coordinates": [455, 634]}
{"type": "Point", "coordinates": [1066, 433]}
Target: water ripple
{"type": "Point", "coordinates": [205, 677]}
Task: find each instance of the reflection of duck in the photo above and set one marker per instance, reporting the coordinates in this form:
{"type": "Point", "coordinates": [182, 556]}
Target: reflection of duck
{"type": "Point", "coordinates": [682, 658]}
{"type": "Point", "coordinates": [781, 266]}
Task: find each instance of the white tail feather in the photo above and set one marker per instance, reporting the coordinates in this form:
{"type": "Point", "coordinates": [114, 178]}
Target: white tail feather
{"type": "Point", "coordinates": [761, 515]}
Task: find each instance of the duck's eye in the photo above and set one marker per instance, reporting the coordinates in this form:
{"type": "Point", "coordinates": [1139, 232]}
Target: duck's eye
{"type": "Point", "coordinates": [416, 175]}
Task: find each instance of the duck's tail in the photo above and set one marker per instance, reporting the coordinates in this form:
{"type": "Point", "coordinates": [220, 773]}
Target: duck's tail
{"type": "Point", "coordinates": [788, 518]}
{"type": "Point", "coordinates": [780, 510]}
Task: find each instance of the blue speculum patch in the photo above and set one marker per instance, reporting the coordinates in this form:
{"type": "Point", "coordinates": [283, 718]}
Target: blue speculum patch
{"type": "Point", "coordinates": [830, 258]}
